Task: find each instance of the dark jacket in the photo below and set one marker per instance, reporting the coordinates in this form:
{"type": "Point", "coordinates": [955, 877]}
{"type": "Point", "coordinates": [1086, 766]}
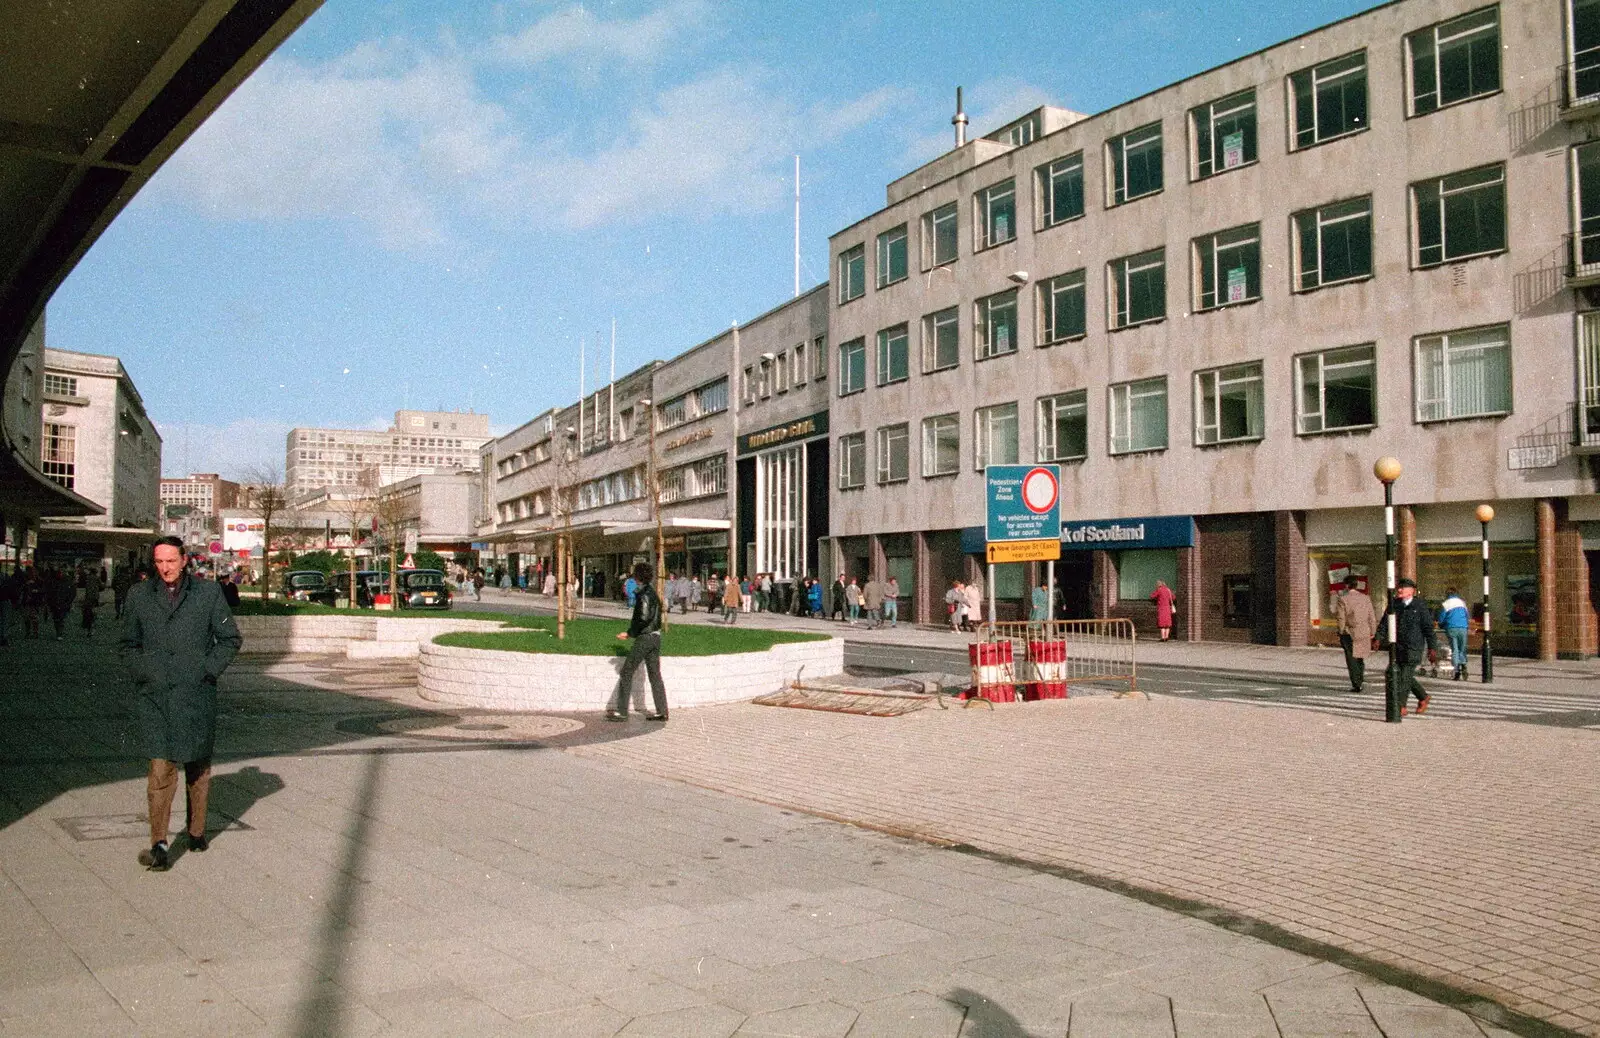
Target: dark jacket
{"type": "Point", "coordinates": [1413, 626]}
{"type": "Point", "coordinates": [174, 651]}
{"type": "Point", "coordinates": [646, 612]}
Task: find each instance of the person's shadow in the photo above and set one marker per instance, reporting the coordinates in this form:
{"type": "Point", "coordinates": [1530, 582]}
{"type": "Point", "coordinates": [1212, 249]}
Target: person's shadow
{"type": "Point", "coordinates": [985, 1019]}
{"type": "Point", "coordinates": [233, 795]}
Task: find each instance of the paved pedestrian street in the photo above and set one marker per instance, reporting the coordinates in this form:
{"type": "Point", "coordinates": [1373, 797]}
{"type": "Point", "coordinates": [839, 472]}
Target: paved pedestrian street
{"type": "Point", "coordinates": [381, 867]}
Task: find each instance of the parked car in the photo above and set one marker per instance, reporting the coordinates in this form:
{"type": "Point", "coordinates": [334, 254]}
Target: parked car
{"type": "Point", "coordinates": [368, 583]}
{"type": "Point", "coordinates": [309, 585]}
{"type": "Point", "coordinates": [422, 589]}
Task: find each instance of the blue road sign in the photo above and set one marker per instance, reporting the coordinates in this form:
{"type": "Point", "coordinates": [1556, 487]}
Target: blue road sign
{"type": "Point", "coordinates": [1024, 502]}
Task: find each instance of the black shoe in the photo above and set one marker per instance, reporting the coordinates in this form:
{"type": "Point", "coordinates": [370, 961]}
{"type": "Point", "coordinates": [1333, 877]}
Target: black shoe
{"type": "Point", "coordinates": [155, 859]}
{"type": "Point", "coordinates": [199, 843]}
{"type": "Point", "coordinates": [612, 715]}
{"type": "Point", "coordinates": [655, 717]}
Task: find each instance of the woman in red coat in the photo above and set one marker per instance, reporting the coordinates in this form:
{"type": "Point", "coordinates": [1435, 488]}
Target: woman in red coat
{"type": "Point", "coordinates": [1163, 597]}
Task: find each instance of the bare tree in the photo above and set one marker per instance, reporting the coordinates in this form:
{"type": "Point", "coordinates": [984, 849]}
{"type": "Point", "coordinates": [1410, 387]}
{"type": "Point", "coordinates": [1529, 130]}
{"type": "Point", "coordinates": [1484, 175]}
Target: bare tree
{"type": "Point", "coordinates": [357, 510]}
{"type": "Point", "coordinates": [391, 516]}
{"type": "Point", "coordinates": [263, 495]}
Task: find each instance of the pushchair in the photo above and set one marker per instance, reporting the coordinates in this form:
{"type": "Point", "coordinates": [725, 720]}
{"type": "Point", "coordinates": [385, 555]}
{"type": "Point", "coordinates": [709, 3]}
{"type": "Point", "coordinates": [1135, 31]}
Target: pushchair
{"type": "Point", "coordinates": [1439, 657]}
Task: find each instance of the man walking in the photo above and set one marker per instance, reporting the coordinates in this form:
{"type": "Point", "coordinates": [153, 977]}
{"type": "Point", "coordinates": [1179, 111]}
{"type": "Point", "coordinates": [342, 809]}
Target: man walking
{"type": "Point", "coordinates": [177, 638]}
{"type": "Point", "coordinates": [1413, 633]}
{"type": "Point", "coordinates": [645, 630]}
{"type": "Point", "coordinates": [891, 601]}
{"type": "Point", "coordinates": [872, 598]}
{"type": "Point", "coordinates": [1357, 627]}
{"type": "Point", "coordinates": [1453, 618]}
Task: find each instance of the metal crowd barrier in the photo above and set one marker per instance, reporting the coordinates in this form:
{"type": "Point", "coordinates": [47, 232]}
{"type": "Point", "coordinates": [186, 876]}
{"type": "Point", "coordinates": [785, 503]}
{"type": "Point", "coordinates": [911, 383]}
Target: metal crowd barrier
{"type": "Point", "coordinates": [1040, 659]}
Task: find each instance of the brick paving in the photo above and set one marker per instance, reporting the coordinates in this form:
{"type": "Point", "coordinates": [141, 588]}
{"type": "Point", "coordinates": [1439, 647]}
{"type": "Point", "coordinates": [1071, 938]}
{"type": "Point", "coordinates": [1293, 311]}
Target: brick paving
{"type": "Point", "coordinates": [1465, 854]}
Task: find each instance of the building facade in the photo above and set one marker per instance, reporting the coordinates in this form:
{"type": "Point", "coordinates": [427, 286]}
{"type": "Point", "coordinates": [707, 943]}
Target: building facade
{"type": "Point", "coordinates": [204, 493]}
{"type": "Point", "coordinates": [1215, 306]}
{"type": "Point", "coordinates": [436, 509]}
{"type": "Point", "coordinates": [418, 442]}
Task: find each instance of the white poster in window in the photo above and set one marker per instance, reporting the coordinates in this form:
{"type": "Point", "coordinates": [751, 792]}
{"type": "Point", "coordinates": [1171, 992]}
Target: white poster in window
{"type": "Point", "coordinates": [1236, 285]}
{"type": "Point", "coordinates": [1233, 149]}
{"type": "Point", "coordinates": [1002, 338]}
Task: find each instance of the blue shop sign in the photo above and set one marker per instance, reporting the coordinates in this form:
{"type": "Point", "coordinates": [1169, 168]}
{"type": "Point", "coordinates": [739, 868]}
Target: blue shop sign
{"type": "Point", "coordinates": [1155, 531]}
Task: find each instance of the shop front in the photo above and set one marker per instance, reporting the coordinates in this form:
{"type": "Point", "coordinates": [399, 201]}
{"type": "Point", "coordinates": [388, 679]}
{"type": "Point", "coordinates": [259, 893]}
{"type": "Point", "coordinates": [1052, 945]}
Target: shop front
{"type": "Point", "coordinates": [783, 498]}
{"type": "Point", "coordinates": [1129, 557]}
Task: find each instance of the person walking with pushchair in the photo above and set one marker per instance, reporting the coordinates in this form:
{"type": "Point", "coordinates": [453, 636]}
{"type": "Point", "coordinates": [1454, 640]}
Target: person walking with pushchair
{"type": "Point", "coordinates": [1454, 619]}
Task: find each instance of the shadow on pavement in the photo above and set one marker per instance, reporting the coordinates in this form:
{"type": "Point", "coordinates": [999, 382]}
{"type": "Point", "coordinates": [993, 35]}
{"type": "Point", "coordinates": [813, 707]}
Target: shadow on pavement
{"type": "Point", "coordinates": [985, 1018]}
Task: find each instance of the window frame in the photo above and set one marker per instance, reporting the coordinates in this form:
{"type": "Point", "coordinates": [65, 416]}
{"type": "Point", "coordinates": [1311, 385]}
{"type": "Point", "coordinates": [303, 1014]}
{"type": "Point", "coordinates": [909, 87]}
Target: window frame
{"type": "Point", "coordinates": [934, 424]}
{"type": "Point", "coordinates": [847, 386]}
{"type": "Point", "coordinates": [819, 358]}
{"type": "Point", "coordinates": [885, 458]}
{"type": "Point", "coordinates": [1045, 177]}
{"type": "Point", "coordinates": [1297, 235]}
{"type": "Point", "coordinates": [852, 477]}
{"type": "Point", "coordinates": [1047, 412]}
{"type": "Point", "coordinates": [1432, 33]}
{"type": "Point", "coordinates": [1440, 194]}
{"type": "Point", "coordinates": [1047, 301]}
{"type": "Point", "coordinates": [985, 201]}
{"type": "Point", "coordinates": [1310, 75]}
{"type": "Point", "coordinates": [930, 327]}
{"type": "Point", "coordinates": [983, 425]}
{"type": "Point", "coordinates": [1198, 165]}
{"type": "Point", "coordinates": [1126, 412]}
{"type": "Point", "coordinates": [1213, 420]}
{"type": "Point", "coordinates": [931, 222]}
{"type": "Point", "coordinates": [1117, 164]}
{"type": "Point", "coordinates": [1301, 415]}
{"type": "Point", "coordinates": [1209, 245]}
{"type": "Point", "coordinates": [852, 269]}
{"type": "Point", "coordinates": [984, 310]}
{"type": "Point", "coordinates": [1503, 331]}
{"type": "Point", "coordinates": [885, 265]}
{"type": "Point", "coordinates": [884, 358]}
{"type": "Point", "coordinates": [1118, 271]}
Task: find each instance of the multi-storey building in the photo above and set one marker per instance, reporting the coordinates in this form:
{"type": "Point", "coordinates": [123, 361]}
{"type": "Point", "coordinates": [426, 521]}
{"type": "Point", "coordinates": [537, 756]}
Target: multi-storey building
{"type": "Point", "coordinates": [435, 509]}
{"type": "Point", "coordinates": [1216, 305]}
{"type": "Point", "coordinates": [418, 442]}
{"type": "Point", "coordinates": [205, 493]}
{"type": "Point", "coordinates": [96, 440]}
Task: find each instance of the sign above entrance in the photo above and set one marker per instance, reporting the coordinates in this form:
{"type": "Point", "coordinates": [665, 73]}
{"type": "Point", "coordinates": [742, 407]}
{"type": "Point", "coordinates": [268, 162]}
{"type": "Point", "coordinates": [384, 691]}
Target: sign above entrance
{"type": "Point", "coordinates": [1047, 550]}
{"type": "Point", "coordinates": [1156, 531]}
{"type": "Point", "coordinates": [1024, 502]}
{"type": "Point", "coordinates": [805, 428]}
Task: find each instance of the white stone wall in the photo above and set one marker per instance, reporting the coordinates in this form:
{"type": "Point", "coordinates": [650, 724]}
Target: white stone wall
{"type": "Point", "coordinates": [354, 636]}
{"type": "Point", "coordinates": [544, 681]}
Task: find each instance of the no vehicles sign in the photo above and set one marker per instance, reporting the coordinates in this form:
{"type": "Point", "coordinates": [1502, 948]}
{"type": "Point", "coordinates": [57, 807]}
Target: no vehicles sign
{"type": "Point", "coordinates": [1024, 503]}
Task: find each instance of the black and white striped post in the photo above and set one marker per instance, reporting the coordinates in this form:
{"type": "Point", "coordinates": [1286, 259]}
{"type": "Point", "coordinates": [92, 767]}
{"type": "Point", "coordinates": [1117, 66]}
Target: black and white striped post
{"type": "Point", "coordinates": [1388, 470]}
{"type": "Point", "coordinates": [1485, 514]}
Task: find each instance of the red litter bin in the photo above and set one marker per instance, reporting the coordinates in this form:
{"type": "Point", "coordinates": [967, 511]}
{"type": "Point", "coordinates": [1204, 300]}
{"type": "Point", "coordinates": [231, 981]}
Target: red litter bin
{"type": "Point", "coordinates": [993, 671]}
{"type": "Point", "coordinates": [1048, 662]}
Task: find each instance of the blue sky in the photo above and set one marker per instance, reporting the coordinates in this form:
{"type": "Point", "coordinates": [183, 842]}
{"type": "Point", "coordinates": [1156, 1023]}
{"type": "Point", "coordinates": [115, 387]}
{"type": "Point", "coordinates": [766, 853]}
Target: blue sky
{"type": "Point", "coordinates": [430, 204]}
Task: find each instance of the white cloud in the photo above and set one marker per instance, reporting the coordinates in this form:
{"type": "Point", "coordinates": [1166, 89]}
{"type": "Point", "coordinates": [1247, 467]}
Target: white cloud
{"type": "Point", "coordinates": [999, 101]}
{"type": "Point", "coordinates": [230, 450]}
{"type": "Point", "coordinates": [576, 32]}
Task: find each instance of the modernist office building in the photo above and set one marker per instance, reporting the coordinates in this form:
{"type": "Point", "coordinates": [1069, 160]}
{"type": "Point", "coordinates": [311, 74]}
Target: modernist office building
{"type": "Point", "coordinates": [1215, 306]}
{"type": "Point", "coordinates": [418, 442]}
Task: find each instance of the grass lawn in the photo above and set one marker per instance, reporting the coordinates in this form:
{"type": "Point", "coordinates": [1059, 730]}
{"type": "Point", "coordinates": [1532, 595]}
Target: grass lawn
{"type": "Point", "coordinates": [599, 638]}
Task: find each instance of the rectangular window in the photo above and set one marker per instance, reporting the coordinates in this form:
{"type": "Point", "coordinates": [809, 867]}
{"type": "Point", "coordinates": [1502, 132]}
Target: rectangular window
{"type": "Point", "coordinates": [1138, 416]}
{"type": "Point", "coordinates": [853, 461]}
{"type": "Point", "coordinates": [1064, 426]}
{"type": "Point", "coordinates": [710, 399]}
{"type": "Point", "coordinates": [894, 453]}
{"type": "Point", "coordinates": [939, 236]}
{"type": "Point", "coordinates": [1135, 163]}
{"type": "Point", "coordinates": [1461, 215]}
{"type": "Point", "coordinates": [1330, 99]}
{"type": "Point", "coordinates": [1583, 73]}
{"type": "Point", "coordinates": [1060, 190]}
{"type": "Point", "coordinates": [892, 256]}
{"type": "Point", "coordinates": [60, 385]}
{"type": "Point", "coordinates": [819, 358]}
{"type": "Point", "coordinates": [852, 366]}
{"type": "Point", "coordinates": [1334, 243]}
{"type": "Point", "coordinates": [1228, 267]}
{"type": "Point", "coordinates": [894, 355]}
{"type": "Point", "coordinates": [1463, 374]}
{"type": "Point", "coordinates": [852, 273]}
{"type": "Point", "coordinates": [995, 435]}
{"type": "Point", "coordinates": [1228, 406]}
{"type": "Point", "coordinates": [780, 373]}
{"type": "Point", "coordinates": [797, 364]}
{"type": "Point", "coordinates": [1586, 179]}
{"type": "Point", "coordinates": [749, 383]}
{"type": "Point", "coordinates": [997, 324]}
{"type": "Point", "coordinates": [1455, 61]}
{"type": "Point", "coordinates": [1224, 134]}
{"type": "Point", "coordinates": [941, 339]}
{"type": "Point", "coordinates": [58, 451]}
{"type": "Point", "coordinates": [1138, 287]}
{"type": "Point", "coordinates": [1338, 389]}
{"type": "Point", "coordinates": [996, 213]}
{"type": "Point", "coordinates": [941, 445]}
{"type": "Point", "coordinates": [1062, 308]}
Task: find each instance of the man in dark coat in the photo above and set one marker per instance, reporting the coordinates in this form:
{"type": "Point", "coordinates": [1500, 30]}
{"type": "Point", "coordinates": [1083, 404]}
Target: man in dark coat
{"type": "Point", "coordinates": [1413, 635]}
{"type": "Point", "coordinates": [645, 630]}
{"type": "Point", "coordinates": [177, 638]}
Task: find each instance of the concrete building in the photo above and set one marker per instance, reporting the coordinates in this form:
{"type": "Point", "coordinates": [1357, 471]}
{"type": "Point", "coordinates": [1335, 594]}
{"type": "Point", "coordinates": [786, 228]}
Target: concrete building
{"type": "Point", "coordinates": [96, 440]}
{"type": "Point", "coordinates": [205, 492]}
{"type": "Point", "coordinates": [1215, 306]}
{"type": "Point", "coordinates": [437, 507]}
{"type": "Point", "coordinates": [418, 442]}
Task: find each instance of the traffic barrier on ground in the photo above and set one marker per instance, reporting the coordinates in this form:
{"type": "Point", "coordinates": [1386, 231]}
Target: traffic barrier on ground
{"type": "Point", "coordinates": [1055, 654]}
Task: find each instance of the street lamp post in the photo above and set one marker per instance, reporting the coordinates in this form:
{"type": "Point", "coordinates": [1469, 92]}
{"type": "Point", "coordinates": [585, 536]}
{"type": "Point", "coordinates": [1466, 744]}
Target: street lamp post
{"type": "Point", "coordinates": [1388, 470]}
{"type": "Point", "coordinates": [1485, 515]}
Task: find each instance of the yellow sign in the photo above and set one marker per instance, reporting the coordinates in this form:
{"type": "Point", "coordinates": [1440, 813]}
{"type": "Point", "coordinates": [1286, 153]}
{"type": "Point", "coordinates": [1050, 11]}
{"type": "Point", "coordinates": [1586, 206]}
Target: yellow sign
{"type": "Point", "coordinates": [1024, 551]}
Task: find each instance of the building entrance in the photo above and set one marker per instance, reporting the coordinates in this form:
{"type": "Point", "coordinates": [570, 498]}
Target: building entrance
{"type": "Point", "coordinates": [1075, 585]}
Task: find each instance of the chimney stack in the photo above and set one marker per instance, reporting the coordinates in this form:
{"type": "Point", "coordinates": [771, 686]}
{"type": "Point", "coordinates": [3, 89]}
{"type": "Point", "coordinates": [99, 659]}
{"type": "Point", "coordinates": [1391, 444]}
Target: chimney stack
{"type": "Point", "coordinates": [960, 121]}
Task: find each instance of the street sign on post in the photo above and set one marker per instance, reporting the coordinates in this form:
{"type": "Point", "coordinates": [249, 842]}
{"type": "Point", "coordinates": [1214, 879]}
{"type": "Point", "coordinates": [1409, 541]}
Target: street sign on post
{"type": "Point", "coordinates": [411, 542]}
{"type": "Point", "coordinates": [1024, 512]}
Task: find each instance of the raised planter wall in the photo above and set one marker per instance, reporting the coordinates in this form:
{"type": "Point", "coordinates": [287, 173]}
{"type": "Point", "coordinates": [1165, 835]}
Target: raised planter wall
{"type": "Point", "coordinates": [544, 681]}
{"type": "Point", "coordinates": [353, 636]}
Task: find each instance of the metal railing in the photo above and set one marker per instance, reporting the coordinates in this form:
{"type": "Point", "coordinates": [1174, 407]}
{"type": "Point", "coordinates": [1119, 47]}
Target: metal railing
{"type": "Point", "coordinates": [1580, 81]}
{"type": "Point", "coordinates": [1040, 659]}
{"type": "Point", "coordinates": [1582, 252]}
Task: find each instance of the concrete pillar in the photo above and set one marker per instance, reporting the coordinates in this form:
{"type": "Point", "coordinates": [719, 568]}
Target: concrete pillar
{"type": "Point", "coordinates": [1405, 523]}
{"type": "Point", "coordinates": [923, 606]}
{"type": "Point", "coordinates": [1103, 593]}
{"type": "Point", "coordinates": [1291, 603]}
{"type": "Point", "coordinates": [1187, 628]}
{"type": "Point", "coordinates": [1545, 540]}
{"type": "Point", "coordinates": [1575, 616]}
{"type": "Point", "coordinates": [877, 559]}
